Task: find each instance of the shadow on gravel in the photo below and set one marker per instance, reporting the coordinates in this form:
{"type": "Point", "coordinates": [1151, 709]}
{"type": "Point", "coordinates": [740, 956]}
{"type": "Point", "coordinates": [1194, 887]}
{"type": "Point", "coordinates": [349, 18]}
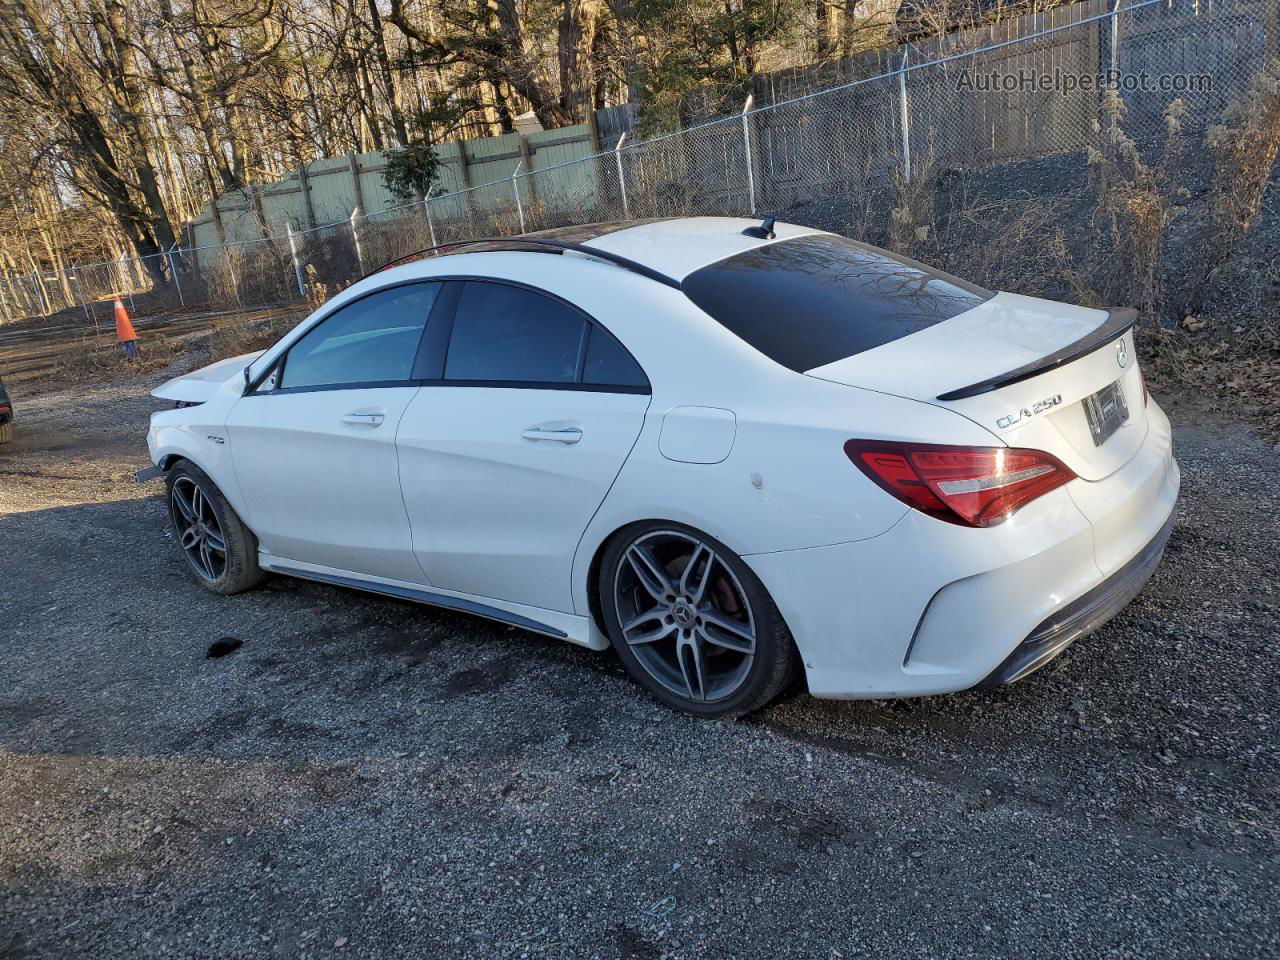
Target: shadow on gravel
{"type": "Point", "coordinates": [112, 647]}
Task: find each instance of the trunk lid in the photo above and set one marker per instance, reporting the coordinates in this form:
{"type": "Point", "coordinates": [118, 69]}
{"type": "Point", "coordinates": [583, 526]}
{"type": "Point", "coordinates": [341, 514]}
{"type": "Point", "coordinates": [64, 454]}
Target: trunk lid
{"type": "Point", "coordinates": [199, 385]}
{"type": "Point", "coordinates": [1042, 409]}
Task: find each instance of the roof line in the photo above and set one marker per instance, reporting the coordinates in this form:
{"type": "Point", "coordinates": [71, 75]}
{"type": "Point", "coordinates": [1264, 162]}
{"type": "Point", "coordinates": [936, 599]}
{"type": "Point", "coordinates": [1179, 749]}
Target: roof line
{"type": "Point", "coordinates": [541, 245]}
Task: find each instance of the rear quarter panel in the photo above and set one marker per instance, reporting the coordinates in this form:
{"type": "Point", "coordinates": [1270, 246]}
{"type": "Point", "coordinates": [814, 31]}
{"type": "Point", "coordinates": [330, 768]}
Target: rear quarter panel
{"type": "Point", "coordinates": [785, 484]}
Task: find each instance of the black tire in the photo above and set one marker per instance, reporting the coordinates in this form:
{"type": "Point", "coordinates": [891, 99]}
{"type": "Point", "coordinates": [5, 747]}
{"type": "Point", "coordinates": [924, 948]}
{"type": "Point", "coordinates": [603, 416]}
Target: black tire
{"type": "Point", "coordinates": [6, 432]}
{"type": "Point", "coordinates": [238, 569]}
{"type": "Point", "coordinates": [773, 664]}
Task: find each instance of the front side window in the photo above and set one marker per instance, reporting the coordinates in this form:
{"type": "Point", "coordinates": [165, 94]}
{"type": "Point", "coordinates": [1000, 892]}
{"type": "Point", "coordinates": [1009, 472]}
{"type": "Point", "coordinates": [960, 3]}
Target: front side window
{"type": "Point", "coordinates": [373, 340]}
{"type": "Point", "coordinates": [509, 333]}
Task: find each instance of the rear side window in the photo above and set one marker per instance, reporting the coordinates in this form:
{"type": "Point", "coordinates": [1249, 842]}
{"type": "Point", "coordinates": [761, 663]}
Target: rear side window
{"type": "Point", "coordinates": [609, 364]}
{"type": "Point", "coordinates": [373, 340]}
{"type": "Point", "coordinates": [816, 299]}
{"type": "Point", "coordinates": [508, 334]}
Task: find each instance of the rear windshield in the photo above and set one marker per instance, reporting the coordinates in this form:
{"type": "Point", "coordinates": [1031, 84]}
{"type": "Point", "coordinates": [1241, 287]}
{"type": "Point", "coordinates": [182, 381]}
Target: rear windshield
{"type": "Point", "coordinates": [816, 299]}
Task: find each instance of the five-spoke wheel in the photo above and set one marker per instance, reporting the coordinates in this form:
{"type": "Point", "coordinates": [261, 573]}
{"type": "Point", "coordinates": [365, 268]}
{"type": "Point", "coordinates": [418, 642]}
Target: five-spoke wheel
{"type": "Point", "coordinates": [198, 529]}
{"type": "Point", "coordinates": [693, 623]}
{"type": "Point", "coordinates": [218, 547]}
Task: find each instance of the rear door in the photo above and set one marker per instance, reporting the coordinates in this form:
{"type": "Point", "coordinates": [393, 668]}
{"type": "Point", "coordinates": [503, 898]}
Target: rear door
{"type": "Point", "coordinates": [314, 447]}
{"type": "Point", "coordinates": [508, 451]}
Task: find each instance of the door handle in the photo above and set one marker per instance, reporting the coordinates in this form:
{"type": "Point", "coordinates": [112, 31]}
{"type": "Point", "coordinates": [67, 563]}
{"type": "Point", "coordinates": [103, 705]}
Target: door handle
{"type": "Point", "coordinates": [562, 435]}
{"type": "Point", "coordinates": [364, 419]}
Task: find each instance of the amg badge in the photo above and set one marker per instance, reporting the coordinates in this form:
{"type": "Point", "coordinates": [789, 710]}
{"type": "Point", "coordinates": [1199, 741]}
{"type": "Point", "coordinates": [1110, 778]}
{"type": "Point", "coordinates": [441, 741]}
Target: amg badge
{"type": "Point", "coordinates": [1026, 413]}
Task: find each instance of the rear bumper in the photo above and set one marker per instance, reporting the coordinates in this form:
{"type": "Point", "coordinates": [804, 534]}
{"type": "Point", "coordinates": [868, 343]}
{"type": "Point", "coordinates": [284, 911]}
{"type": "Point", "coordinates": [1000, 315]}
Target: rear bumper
{"type": "Point", "coordinates": [930, 607]}
{"type": "Point", "coordinates": [1083, 615]}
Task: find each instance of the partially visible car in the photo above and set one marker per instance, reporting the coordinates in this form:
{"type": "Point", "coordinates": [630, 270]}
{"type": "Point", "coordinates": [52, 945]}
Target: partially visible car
{"type": "Point", "coordinates": [6, 415]}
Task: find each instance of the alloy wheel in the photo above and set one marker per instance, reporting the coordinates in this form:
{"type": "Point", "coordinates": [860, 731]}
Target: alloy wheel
{"type": "Point", "coordinates": [685, 616]}
{"type": "Point", "coordinates": [198, 528]}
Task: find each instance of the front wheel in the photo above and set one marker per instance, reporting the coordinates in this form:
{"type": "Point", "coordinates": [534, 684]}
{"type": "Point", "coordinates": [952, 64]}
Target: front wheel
{"type": "Point", "coordinates": [692, 622]}
{"type": "Point", "coordinates": [220, 550]}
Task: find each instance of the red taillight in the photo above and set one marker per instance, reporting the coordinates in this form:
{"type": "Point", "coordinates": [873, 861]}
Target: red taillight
{"type": "Point", "coordinates": [971, 486]}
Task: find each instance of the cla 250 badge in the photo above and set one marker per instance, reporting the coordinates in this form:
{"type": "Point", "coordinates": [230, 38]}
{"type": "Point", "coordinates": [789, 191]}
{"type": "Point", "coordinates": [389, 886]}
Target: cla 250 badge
{"type": "Point", "coordinates": [1026, 413]}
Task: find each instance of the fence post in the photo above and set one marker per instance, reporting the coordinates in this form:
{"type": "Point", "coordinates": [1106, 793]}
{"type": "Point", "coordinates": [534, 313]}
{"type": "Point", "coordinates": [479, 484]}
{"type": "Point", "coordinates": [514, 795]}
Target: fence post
{"type": "Point", "coordinates": [622, 180]}
{"type": "Point", "coordinates": [515, 189]}
{"type": "Point", "coordinates": [293, 252]}
{"type": "Point", "coordinates": [353, 165]}
{"type": "Point", "coordinates": [39, 281]}
{"type": "Point", "coordinates": [355, 237]}
{"type": "Point", "coordinates": [120, 277]}
{"type": "Point", "coordinates": [1115, 42]}
{"type": "Point", "coordinates": [746, 147]}
{"type": "Point", "coordinates": [84, 305]}
{"type": "Point", "coordinates": [526, 160]}
{"type": "Point", "coordinates": [173, 272]}
{"type": "Point", "coordinates": [231, 272]}
{"type": "Point", "coordinates": [6, 313]}
{"type": "Point", "coordinates": [906, 117]}
{"type": "Point", "coordinates": [304, 186]}
{"type": "Point", "coordinates": [431, 225]}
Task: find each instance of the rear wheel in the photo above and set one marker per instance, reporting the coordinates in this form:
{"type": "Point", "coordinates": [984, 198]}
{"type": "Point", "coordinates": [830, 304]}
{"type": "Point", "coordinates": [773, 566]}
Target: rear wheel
{"type": "Point", "coordinates": [6, 432]}
{"type": "Point", "coordinates": [220, 550]}
{"type": "Point", "coordinates": [692, 622]}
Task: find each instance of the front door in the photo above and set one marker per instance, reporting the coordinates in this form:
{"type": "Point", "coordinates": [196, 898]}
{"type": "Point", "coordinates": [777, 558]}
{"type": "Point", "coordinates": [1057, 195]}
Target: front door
{"type": "Point", "coordinates": [315, 453]}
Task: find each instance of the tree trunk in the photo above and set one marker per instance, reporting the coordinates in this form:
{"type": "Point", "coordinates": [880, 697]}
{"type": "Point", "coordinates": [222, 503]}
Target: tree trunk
{"type": "Point", "coordinates": [112, 38]}
{"type": "Point", "coordinates": [572, 82]}
{"type": "Point", "coordinates": [388, 79]}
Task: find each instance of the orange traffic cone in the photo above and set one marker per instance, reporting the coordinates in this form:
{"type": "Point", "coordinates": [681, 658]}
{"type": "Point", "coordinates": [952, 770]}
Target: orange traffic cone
{"type": "Point", "coordinates": [124, 331]}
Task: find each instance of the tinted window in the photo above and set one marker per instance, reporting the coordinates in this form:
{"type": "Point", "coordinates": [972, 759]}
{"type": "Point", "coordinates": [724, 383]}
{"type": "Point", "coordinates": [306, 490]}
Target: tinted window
{"type": "Point", "coordinates": [372, 340]}
{"type": "Point", "coordinates": [608, 364]}
{"type": "Point", "coordinates": [817, 299]}
{"type": "Point", "coordinates": [509, 333]}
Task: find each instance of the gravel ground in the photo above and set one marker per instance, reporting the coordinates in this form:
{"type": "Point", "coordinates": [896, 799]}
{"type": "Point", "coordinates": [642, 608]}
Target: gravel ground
{"type": "Point", "coordinates": [368, 778]}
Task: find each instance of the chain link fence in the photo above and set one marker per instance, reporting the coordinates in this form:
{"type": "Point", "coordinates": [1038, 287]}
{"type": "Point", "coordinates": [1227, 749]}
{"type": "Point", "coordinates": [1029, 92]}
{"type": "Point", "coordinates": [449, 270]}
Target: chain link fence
{"type": "Point", "coordinates": [969, 100]}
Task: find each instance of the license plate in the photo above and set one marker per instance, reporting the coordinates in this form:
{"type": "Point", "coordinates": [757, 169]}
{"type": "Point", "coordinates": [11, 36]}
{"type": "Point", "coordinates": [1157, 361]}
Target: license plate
{"type": "Point", "coordinates": [1106, 411]}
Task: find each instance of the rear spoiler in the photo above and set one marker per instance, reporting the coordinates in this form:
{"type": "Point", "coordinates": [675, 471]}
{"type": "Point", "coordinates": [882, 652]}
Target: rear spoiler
{"type": "Point", "coordinates": [1119, 320]}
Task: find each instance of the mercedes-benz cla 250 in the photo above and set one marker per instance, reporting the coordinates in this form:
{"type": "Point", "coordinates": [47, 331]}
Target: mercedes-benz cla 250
{"type": "Point", "coordinates": [736, 452]}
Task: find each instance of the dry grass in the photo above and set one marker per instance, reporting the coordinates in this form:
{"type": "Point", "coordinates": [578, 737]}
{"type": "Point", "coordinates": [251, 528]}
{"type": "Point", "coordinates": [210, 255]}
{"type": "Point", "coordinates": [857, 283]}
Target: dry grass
{"type": "Point", "coordinates": [247, 332]}
{"type": "Point", "coordinates": [101, 357]}
{"type": "Point", "coordinates": [1133, 206]}
{"type": "Point", "coordinates": [1214, 371]}
{"type": "Point", "coordinates": [1030, 255]}
{"type": "Point", "coordinates": [911, 220]}
{"type": "Point", "coordinates": [1245, 147]}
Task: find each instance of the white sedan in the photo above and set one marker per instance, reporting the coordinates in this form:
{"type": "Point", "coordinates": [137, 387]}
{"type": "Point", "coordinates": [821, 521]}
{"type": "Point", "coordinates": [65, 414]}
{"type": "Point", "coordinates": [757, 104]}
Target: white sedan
{"type": "Point", "coordinates": [738, 452]}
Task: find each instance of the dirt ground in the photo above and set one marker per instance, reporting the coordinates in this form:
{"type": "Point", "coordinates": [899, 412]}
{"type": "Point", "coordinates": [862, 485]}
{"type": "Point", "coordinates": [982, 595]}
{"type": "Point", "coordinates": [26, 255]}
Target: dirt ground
{"type": "Point", "coordinates": [33, 350]}
{"type": "Point", "coordinates": [365, 777]}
